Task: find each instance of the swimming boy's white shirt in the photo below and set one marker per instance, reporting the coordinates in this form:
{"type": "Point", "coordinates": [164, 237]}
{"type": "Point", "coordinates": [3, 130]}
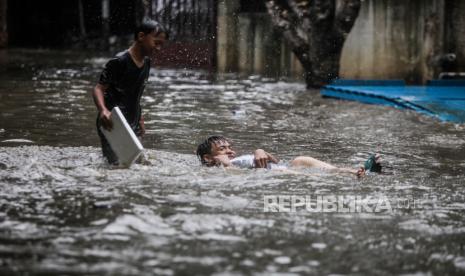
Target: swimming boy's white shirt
{"type": "Point", "coordinates": [246, 161]}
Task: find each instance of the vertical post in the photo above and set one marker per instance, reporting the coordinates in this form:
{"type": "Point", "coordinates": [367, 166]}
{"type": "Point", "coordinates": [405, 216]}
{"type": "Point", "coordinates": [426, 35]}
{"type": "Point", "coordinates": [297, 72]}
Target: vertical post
{"type": "Point", "coordinates": [3, 24]}
{"type": "Point", "coordinates": [182, 31]}
{"type": "Point", "coordinates": [169, 14]}
{"type": "Point", "coordinates": [259, 46]}
{"type": "Point", "coordinates": [82, 25]}
{"type": "Point", "coordinates": [227, 35]}
{"type": "Point", "coordinates": [164, 15]}
{"type": "Point", "coordinates": [148, 8]}
{"type": "Point", "coordinates": [246, 32]}
{"type": "Point", "coordinates": [194, 17]}
{"type": "Point", "coordinates": [432, 41]}
{"type": "Point", "coordinates": [155, 13]}
{"type": "Point", "coordinates": [454, 40]}
{"type": "Point", "coordinates": [213, 36]}
{"type": "Point", "coordinates": [178, 18]}
{"type": "Point", "coordinates": [143, 9]}
{"type": "Point", "coordinates": [106, 21]}
{"type": "Point", "coordinates": [271, 49]}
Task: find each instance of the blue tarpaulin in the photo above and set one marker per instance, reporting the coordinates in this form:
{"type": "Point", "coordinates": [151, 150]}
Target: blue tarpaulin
{"type": "Point", "coordinates": [444, 99]}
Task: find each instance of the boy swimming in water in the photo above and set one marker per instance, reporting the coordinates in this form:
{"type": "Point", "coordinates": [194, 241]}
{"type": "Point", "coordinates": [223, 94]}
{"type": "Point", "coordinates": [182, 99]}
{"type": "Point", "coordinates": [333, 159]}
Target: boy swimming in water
{"type": "Point", "coordinates": [217, 151]}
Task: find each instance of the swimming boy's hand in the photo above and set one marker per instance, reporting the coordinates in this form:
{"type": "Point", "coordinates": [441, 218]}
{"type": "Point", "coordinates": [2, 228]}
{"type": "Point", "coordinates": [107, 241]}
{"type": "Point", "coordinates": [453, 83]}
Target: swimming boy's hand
{"type": "Point", "coordinates": [360, 172]}
{"type": "Point", "coordinates": [272, 158]}
{"type": "Point", "coordinates": [105, 119]}
{"type": "Point", "coordinates": [261, 158]}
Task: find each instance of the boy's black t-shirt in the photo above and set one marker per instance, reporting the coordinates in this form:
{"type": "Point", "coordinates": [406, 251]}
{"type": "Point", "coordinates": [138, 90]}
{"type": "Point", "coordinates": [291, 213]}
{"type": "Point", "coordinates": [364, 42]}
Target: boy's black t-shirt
{"type": "Point", "coordinates": [126, 83]}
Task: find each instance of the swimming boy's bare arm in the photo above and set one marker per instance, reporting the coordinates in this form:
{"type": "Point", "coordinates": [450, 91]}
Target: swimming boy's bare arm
{"type": "Point", "coordinates": [99, 100]}
{"type": "Point", "coordinates": [261, 158]}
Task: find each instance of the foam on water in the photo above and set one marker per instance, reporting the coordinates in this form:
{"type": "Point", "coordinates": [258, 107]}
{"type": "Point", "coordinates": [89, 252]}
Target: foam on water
{"type": "Point", "coordinates": [63, 211]}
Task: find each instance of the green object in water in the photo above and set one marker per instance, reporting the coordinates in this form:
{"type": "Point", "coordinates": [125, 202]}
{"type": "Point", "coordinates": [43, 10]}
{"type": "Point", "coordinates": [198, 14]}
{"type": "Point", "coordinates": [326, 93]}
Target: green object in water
{"type": "Point", "coordinates": [371, 164]}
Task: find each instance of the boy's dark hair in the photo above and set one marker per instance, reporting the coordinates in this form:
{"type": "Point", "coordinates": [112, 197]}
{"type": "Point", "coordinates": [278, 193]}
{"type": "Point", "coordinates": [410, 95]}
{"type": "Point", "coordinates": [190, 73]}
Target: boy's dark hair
{"type": "Point", "coordinates": [149, 25]}
{"type": "Point", "coordinates": [206, 146]}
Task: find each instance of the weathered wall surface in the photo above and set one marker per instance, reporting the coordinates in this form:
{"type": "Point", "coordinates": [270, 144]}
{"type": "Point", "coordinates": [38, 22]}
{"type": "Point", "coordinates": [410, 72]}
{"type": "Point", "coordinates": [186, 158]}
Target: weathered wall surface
{"type": "Point", "coordinates": [261, 49]}
{"type": "Point", "coordinates": [401, 40]}
{"type": "Point", "coordinates": [227, 36]}
{"type": "Point", "coordinates": [460, 35]}
{"type": "Point", "coordinates": [393, 39]}
{"type": "Point", "coordinates": [247, 43]}
{"type": "Point", "coordinates": [455, 32]}
{"type": "Point", "coordinates": [3, 24]}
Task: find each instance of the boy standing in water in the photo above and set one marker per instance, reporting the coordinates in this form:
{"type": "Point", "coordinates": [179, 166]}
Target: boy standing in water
{"type": "Point", "coordinates": [122, 82]}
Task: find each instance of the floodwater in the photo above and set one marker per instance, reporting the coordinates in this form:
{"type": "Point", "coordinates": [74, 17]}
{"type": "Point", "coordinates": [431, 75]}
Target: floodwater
{"type": "Point", "coordinates": [64, 212]}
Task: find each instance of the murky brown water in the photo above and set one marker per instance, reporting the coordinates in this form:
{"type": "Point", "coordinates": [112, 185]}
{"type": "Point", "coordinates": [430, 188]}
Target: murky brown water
{"type": "Point", "coordinates": [63, 212]}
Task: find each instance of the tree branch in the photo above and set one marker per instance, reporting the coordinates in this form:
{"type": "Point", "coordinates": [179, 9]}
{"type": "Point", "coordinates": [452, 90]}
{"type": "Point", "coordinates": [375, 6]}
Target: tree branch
{"type": "Point", "coordinates": [284, 21]}
{"type": "Point", "coordinates": [316, 31]}
{"type": "Point", "coordinates": [322, 11]}
{"type": "Point", "coordinates": [346, 16]}
{"type": "Point", "coordinates": [301, 9]}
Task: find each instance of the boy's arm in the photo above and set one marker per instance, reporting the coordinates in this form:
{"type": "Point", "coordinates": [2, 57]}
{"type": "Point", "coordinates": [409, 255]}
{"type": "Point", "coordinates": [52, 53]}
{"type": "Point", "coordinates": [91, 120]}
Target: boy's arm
{"type": "Point", "coordinates": [112, 72]}
{"type": "Point", "coordinates": [142, 125]}
{"type": "Point", "coordinates": [261, 158]}
{"type": "Point", "coordinates": [104, 113]}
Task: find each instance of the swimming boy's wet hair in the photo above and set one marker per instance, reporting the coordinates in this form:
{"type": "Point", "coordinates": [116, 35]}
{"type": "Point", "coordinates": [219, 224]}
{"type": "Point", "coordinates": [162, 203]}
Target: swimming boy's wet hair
{"type": "Point", "coordinates": [149, 25]}
{"type": "Point", "coordinates": [206, 147]}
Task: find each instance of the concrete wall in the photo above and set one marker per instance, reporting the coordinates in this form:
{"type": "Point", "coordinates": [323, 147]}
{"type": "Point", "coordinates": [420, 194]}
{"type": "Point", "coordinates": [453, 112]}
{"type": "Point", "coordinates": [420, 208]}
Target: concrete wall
{"type": "Point", "coordinates": [399, 40]}
{"type": "Point", "coordinates": [459, 34]}
{"type": "Point", "coordinates": [455, 32]}
{"type": "Point", "coordinates": [247, 43]}
{"type": "Point", "coordinates": [3, 24]}
{"type": "Point", "coordinates": [261, 49]}
{"type": "Point", "coordinates": [227, 52]}
{"type": "Point", "coordinates": [393, 39]}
